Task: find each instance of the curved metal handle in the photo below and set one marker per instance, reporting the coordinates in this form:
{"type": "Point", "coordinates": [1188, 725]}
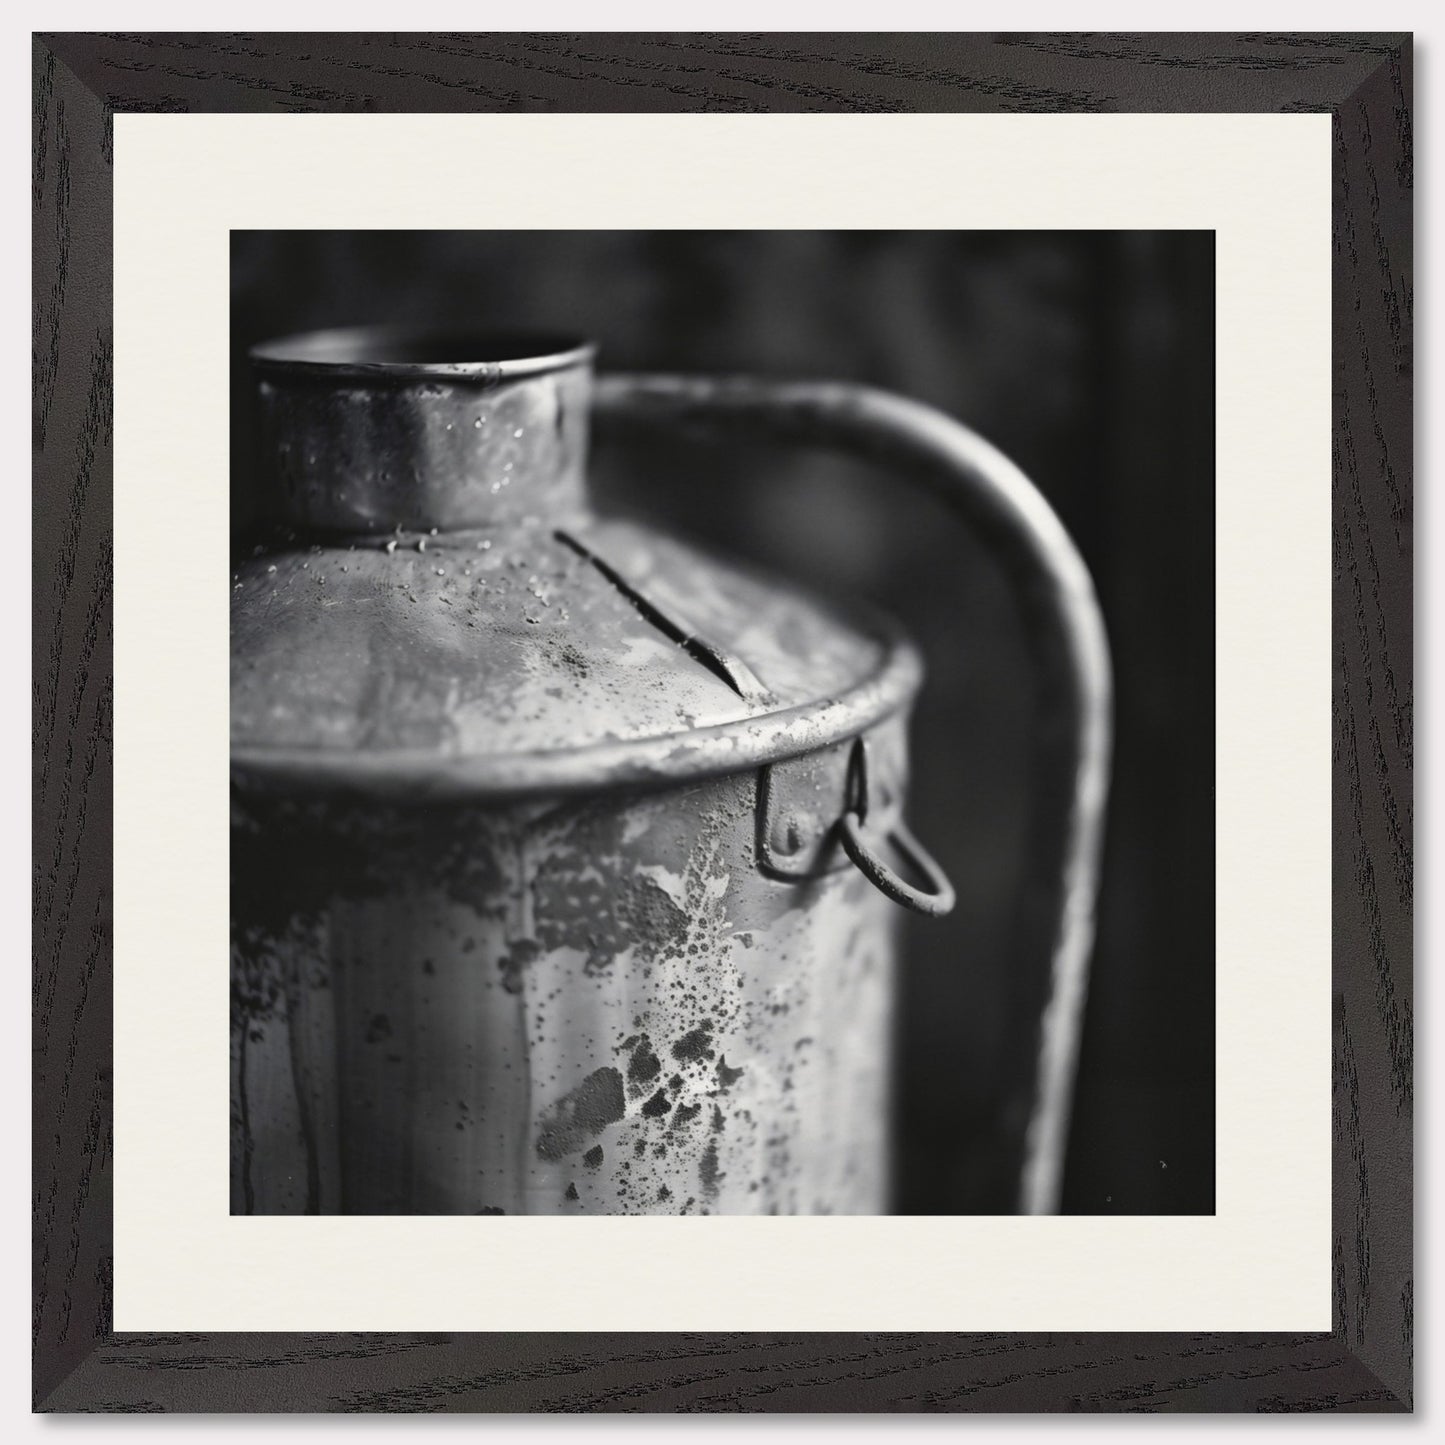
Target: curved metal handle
{"type": "Point", "coordinates": [1066, 637]}
{"type": "Point", "coordinates": [935, 901]}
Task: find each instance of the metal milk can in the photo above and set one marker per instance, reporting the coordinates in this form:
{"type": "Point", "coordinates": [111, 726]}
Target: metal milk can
{"type": "Point", "coordinates": [568, 861]}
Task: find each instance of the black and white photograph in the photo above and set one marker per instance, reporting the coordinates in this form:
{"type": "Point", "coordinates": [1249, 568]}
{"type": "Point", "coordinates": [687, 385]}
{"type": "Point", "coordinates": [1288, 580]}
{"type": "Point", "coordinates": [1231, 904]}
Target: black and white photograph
{"type": "Point", "coordinates": [722, 723]}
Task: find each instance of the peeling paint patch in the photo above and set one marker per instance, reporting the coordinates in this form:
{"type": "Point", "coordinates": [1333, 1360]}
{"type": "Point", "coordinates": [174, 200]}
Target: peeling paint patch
{"type": "Point", "coordinates": [645, 1065]}
{"type": "Point", "coordinates": [584, 1113]}
{"type": "Point", "coordinates": [695, 1045]}
{"type": "Point", "coordinates": [727, 1077]}
{"type": "Point", "coordinates": [708, 1171]}
{"type": "Point", "coordinates": [514, 963]}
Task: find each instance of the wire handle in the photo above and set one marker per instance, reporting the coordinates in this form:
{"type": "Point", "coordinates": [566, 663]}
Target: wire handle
{"type": "Point", "coordinates": [933, 901]}
{"type": "Point", "coordinates": [1066, 637]}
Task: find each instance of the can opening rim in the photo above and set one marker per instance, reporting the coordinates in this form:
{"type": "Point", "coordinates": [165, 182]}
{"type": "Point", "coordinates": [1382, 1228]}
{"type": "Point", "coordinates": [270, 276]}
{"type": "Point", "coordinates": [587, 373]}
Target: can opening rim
{"type": "Point", "coordinates": [383, 352]}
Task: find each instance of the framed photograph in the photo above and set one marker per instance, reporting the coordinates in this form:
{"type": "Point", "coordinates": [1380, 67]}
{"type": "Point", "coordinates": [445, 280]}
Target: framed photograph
{"type": "Point", "coordinates": [724, 722]}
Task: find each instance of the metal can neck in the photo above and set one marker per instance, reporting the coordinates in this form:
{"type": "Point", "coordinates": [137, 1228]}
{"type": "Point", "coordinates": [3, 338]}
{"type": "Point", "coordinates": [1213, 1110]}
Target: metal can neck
{"type": "Point", "coordinates": [367, 431]}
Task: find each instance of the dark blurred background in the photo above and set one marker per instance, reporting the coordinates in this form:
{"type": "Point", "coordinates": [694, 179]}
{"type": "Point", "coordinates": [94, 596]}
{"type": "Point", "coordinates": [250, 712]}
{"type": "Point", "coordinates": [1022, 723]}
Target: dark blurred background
{"type": "Point", "coordinates": [1089, 358]}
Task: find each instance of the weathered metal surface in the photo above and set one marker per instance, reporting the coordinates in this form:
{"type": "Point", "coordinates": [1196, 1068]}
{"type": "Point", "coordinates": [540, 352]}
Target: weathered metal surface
{"type": "Point", "coordinates": [442, 614]}
{"type": "Point", "coordinates": [501, 936]}
{"type": "Point", "coordinates": [536, 898]}
{"type": "Point", "coordinates": [500, 656]}
{"type": "Point", "coordinates": [592, 1005]}
{"type": "Point", "coordinates": [362, 432]}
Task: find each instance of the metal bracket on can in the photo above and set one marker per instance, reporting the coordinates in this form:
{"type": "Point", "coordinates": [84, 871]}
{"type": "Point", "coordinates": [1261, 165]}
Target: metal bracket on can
{"type": "Point", "coordinates": [784, 852]}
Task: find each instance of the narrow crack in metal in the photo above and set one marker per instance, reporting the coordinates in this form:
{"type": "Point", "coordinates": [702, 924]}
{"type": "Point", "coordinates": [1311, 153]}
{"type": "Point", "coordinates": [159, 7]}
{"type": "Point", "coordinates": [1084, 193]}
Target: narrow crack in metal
{"type": "Point", "coordinates": [732, 670]}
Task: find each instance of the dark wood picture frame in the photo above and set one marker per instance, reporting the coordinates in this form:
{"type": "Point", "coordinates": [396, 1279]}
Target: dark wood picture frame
{"type": "Point", "coordinates": [1364, 1362]}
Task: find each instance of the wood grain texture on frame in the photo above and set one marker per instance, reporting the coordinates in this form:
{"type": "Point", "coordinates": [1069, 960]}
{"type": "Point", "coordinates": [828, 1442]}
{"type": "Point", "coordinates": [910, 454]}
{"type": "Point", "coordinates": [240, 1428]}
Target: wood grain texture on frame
{"type": "Point", "coordinates": [1365, 1363]}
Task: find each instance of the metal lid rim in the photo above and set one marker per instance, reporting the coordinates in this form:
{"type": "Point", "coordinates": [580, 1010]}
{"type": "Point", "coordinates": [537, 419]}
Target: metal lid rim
{"type": "Point", "coordinates": [646, 763]}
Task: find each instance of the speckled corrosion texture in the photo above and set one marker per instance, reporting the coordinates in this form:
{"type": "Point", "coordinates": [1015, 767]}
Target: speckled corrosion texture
{"type": "Point", "coordinates": [587, 1006]}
